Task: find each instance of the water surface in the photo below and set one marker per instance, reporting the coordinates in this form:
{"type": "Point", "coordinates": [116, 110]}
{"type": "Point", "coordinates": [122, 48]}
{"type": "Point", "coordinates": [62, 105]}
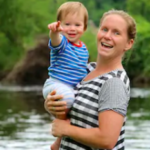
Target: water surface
{"type": "Point", "coordinates": [25, 124]}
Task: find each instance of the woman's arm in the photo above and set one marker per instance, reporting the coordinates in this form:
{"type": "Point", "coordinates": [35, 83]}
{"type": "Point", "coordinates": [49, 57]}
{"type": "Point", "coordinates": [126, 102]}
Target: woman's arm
{"type": "Point", "coordinates": [105, 136]}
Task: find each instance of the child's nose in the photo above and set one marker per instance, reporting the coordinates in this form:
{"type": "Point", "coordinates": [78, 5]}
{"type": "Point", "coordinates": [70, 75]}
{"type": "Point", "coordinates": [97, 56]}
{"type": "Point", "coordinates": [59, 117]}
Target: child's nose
{"type": "Point", "coordinates": [72, 27]}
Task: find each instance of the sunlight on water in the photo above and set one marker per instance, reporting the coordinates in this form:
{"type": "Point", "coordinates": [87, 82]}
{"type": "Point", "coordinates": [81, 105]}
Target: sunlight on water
{"type": "Point", "coordinates": [24, 126]}
{"type": "Point", "coordinates": [135, 92]}
{"type": "Point", "coordinates": [140, 92]}
{"type": "Point", "coordinates": [138, 132]}
{"type": "Point", "coordinates": [138, 135]}
{"type": "Point", "coordinates": [20, 88]}
{"type": "Point", "coordinates": [36, 136]}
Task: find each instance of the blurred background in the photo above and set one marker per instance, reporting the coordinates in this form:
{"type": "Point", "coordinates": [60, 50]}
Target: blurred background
{"type": "Point", "coordinates": [24, 59]}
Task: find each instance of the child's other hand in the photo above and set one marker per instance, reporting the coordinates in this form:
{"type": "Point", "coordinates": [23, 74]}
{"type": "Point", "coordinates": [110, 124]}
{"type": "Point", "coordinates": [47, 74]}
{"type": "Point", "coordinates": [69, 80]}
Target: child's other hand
{"type": "Point", "coordinates": [55, 27]}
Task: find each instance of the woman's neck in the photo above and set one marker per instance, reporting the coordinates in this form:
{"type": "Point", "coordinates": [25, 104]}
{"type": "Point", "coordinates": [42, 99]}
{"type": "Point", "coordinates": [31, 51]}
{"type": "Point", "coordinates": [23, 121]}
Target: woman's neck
{"type": "Point", "coordinates": [105, 66]}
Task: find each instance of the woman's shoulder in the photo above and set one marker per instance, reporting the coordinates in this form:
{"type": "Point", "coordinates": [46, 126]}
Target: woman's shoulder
{"type": "Point", "coordinates": [118, 77]}
{"type": "Point", "coordinates": [120, 74]}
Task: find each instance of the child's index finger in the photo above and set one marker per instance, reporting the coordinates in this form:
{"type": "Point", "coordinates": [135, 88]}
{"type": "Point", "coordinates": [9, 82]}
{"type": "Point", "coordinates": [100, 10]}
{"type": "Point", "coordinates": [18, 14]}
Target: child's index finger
{"type": "Point", "coordinates": [58, 24]}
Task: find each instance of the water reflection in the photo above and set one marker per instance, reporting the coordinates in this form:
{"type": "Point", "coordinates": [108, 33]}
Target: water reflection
{"type": "Point", "coordinates": [31, 134]}
{"type": "Point", "coordinates": [25, 123]}
{"type": "Point", "coordinates": [138, 135]}
{"type": "Point", "coordinates": [137, 127]}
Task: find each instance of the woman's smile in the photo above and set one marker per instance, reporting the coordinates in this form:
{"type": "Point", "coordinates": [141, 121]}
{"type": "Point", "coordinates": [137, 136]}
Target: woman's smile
{"type": "Point", "coordinates": [106, 45]}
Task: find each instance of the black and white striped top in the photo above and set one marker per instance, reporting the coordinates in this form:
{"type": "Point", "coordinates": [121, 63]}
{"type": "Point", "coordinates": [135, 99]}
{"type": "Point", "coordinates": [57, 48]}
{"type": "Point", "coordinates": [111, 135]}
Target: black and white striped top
{"type": "Point", "coordinates": [110, 91]}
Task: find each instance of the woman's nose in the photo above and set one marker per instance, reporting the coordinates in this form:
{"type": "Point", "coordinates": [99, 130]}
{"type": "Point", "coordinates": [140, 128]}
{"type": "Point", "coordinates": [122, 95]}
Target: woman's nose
{"type": "Point", "coordinates": [108, 35]}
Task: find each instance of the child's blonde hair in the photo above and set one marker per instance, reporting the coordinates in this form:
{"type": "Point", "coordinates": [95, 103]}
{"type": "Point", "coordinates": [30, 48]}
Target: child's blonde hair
{"type": "Point", "coordinates": [72, 7]}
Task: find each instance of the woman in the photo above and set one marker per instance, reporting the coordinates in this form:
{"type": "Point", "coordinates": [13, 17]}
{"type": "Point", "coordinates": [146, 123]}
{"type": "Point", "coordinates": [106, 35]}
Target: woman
{"type": "Point", "coordinates": [97, 117]}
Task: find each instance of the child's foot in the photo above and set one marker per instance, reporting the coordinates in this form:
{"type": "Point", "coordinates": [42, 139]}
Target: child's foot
{"type": "Point", "coordinates": [54, 146]}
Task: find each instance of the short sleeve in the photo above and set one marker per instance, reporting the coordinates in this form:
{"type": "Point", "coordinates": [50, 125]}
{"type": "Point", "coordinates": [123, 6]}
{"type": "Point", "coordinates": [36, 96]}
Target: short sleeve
{"type": "Point", "coordinates": [60, 47]}
{"type": "Point", "coordinates": [114, 96]}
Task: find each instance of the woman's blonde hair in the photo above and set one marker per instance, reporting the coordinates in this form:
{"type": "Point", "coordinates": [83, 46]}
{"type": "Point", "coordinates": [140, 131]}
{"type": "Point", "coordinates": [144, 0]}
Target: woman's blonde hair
{"type": "Point", "coordinates": [72, 7]}
{"type": "Point", "coordinates": [131, 30]}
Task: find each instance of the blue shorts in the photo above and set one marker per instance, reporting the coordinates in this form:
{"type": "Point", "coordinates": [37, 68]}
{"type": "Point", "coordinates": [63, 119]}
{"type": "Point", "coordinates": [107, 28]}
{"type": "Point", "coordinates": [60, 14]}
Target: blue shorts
{"type": "Point", "coordinates": [67, 91]}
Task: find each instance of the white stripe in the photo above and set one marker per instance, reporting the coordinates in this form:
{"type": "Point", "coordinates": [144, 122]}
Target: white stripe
{"type": "Point", "coordinates": [72, 71]}
{"type": "Point", "coordinates": [92, 120]}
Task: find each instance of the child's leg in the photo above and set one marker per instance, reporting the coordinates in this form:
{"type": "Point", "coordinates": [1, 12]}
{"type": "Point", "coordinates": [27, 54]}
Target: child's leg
{"type": "Point", "coordinates": [56, 144]}
{"type": "Point", "coordinates": [61, 88]}
{"type": "Point", "coordinates": [68, 95]}
{"type": "Point", "coordinates": [67, 92]}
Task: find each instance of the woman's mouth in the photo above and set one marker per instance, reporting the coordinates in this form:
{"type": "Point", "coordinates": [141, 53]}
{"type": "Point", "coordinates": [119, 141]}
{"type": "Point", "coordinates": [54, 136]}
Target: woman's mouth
{"type": "Point", "coordinates": [106, 45]}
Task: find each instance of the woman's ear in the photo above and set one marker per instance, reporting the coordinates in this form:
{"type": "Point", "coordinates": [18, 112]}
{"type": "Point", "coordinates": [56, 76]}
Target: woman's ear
{"type": "Point", "coordinates": [129, 45]}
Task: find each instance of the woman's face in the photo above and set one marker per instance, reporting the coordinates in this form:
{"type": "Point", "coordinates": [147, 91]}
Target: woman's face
{"type": "Point", "coordinates": [112, 38]}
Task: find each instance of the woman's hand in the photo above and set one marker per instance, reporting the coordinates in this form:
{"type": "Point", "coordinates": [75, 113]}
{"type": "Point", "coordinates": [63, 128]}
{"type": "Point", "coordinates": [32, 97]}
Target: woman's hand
{"type": "Point", "coordinates": [53, 106]}
{"type": "Point", "coordinates": [60, 127]}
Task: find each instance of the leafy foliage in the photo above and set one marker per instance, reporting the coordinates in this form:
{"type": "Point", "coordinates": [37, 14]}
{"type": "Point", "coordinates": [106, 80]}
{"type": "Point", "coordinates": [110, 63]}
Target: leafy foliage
{"type": "Point", "coordinates": [21, 21]}
{"type": "Point", "coordinates": [140, 57]}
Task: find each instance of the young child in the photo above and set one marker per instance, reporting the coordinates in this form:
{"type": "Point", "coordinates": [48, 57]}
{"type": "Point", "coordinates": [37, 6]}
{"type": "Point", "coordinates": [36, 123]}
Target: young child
{"type": "Point", "coordinates": [69, 56]}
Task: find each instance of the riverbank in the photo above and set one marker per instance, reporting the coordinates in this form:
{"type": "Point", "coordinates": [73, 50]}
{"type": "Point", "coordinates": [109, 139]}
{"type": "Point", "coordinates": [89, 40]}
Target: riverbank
{"type": "Point", "coordinates": [32, 69]}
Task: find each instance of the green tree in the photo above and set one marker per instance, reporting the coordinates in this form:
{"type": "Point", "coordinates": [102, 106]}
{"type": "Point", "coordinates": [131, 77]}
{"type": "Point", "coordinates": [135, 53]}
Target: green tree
{"type": "Point", "coordinates": [18, 24]}
{"type": "Point", "coordinates": [140, 57]}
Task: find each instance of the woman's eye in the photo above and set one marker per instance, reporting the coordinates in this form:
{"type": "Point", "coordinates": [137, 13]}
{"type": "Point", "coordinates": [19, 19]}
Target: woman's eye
{"type": "Point", "coordinates": [117, 33]}
{"type": "Point", "coordinates": [104, 29]}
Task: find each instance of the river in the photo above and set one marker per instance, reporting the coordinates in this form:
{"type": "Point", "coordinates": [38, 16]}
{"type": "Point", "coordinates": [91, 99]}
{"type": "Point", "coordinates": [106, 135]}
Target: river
{"type": "Point", "coordinates": [24, 124]}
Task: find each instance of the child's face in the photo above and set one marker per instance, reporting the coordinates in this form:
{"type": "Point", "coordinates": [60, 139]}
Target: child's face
{"type": "Point", "coordinates": [73, 27]}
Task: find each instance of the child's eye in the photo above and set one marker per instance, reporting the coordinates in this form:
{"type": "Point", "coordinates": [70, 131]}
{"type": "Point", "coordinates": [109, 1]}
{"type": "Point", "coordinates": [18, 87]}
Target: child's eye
{"type": "Point", "coordinates": [77, 24]}
{"type": "Point", "coordinates": [67, 24]}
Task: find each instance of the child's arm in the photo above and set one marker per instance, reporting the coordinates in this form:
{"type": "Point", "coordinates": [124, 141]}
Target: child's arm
{"type": "Point", "coordinates": [55, 29]}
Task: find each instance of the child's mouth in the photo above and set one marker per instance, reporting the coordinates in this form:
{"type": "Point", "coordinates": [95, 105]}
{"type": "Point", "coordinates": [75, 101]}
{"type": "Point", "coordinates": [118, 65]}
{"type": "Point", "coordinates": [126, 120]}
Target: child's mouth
{"type": "Point", "coordinates": [72, 35]}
